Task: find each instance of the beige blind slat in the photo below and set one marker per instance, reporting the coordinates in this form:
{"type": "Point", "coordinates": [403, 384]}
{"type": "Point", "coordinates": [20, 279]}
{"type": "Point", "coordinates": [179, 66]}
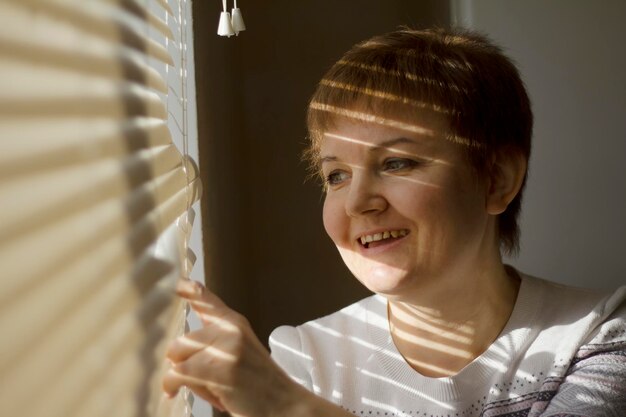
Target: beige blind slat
{"type": "Point", "coordinates": [139, 9]}
{"type": "Point", "coordinates": [63, 192]}
{"type": "Point", "coordinates": [90, 228]}
{"type": "Point", "coordinates": [69, 142]}
{"type": "Point", "coordinates": [76, 372]}
{"type": "Point", "coordinates": [84, 319]}
{"type": "Point", "coordinates": [32, 94]}
{"type": "Point", "coordinates": [74, 50]}
{"type": "Point", "coordinates": [118, 382]}
{"type": "Point", "coordinates": [94, 18]}
{"type": "Point", "coordinates": [94, 205]}
{"type": "Point", "coordinates": [56, 297]}
{"type": "Point", "coordinates": [107, 332]}
{"type": "Point", "coordinates": [77, 323]}
{"type": "Point", "coordinates": [166, 6]}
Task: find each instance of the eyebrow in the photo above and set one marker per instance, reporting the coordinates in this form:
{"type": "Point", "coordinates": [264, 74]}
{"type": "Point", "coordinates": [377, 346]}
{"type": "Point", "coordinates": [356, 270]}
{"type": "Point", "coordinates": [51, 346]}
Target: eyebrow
{"type": "Point", "coordinates": [374, 148]}
{"type": "Point", "coordinates": [327, 159]}
{"type": "Point", "coordinates": [391, 142]}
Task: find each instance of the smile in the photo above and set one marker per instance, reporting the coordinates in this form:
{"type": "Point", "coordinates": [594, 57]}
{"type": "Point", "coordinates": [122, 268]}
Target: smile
{"type": "Point", "coordinates": [391, 234]}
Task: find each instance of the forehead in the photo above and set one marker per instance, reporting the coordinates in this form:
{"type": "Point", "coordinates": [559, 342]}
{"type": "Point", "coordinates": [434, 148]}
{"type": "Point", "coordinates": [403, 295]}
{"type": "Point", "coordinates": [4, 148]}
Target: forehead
{"type": "Point", "coordinates": [367, 131]}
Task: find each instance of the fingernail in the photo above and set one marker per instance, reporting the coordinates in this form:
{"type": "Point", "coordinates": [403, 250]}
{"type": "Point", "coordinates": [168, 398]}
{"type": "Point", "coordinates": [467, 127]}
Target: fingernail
{"type": "Point", "coordinates": [184, 286]}
{"type": "Point", "coordinates": [188, 286]}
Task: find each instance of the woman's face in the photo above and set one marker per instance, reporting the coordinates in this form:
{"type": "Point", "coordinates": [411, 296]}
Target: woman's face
{"type": "Point", "coordinates": [403, 206]}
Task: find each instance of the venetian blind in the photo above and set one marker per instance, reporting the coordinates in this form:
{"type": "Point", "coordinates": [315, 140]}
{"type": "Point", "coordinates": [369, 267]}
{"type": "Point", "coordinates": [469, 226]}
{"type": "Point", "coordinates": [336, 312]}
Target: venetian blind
{"type": "Point", "coordinates": [94, 205]}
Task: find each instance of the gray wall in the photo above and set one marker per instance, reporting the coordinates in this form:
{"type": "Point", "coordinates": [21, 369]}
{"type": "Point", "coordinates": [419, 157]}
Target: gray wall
{"type": "Point", "coordinates": [572, 56]}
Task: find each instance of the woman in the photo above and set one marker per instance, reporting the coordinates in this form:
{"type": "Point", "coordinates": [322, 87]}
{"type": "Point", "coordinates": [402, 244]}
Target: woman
{"type": "Point", "coordinates": [422, 139]}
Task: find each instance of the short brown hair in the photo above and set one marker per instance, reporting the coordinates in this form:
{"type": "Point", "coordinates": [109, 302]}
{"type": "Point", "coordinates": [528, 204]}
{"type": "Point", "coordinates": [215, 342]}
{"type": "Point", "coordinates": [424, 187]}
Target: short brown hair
{"type": "Point", "coordinates": [457, 73]}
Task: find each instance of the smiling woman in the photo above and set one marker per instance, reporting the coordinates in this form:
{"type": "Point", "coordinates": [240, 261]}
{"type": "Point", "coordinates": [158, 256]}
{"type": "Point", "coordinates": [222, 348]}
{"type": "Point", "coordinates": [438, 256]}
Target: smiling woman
{"type": "Point", "coordinates": [422, 139]}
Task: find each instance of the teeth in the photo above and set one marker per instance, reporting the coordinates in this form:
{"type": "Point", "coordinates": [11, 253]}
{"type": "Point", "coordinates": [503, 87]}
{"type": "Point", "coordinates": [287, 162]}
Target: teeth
{"type": "Point", "coordinates": [384, 235]}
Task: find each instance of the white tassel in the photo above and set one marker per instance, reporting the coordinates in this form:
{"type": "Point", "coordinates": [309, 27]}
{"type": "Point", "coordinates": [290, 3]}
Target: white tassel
{"type": "Point", "coordinates": [225, 27]}
{"type": "Point", "coordinates": [237, 20]}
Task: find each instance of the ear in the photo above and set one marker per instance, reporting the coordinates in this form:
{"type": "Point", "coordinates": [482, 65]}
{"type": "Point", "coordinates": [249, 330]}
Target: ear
{"type": "Point", "coordinates": [508, 169]}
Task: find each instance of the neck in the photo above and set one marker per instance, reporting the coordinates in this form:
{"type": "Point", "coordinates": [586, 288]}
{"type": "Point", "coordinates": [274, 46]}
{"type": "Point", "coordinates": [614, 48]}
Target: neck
{"type": "Point", "coordinates": [442, 331]}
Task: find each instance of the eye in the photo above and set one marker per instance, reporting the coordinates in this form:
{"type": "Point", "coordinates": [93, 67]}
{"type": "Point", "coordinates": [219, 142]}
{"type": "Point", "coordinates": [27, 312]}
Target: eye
{"type": "Point", "coordinates": [336, 177]}
{"type": "Point", "coordinates": [399, 164]}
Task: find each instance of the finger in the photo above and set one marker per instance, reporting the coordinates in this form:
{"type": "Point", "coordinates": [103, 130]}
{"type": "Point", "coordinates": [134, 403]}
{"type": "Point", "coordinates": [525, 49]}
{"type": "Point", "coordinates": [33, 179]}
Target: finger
{"type": "Point", "coordinates": [222, 321]}
{"type": "Point", "coordinates": [195, 291]}
{"type": "Point", "coordinates": [211, 367]}
{"type": "Point", "coordinates": [175, 378]}
{"type": "Point", "coordinates": [185, 346]}
{"type": "Point", "coordinates": [174, 381]}
{"type": "Point", "coordinates": [204, 393]}
{"type": "Point", "coordinates": [209, 307]}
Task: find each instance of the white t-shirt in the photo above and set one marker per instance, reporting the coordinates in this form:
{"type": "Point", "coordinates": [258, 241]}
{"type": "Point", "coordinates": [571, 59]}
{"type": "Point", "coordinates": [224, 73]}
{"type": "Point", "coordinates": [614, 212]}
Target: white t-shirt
{"type": "Point", "coordinates": [562, 352]}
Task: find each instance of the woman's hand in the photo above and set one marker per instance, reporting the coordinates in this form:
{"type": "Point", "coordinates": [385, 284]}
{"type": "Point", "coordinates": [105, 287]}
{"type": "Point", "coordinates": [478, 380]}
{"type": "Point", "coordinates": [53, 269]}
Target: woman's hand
{"type": "Point", "coordinates": [224, 362]}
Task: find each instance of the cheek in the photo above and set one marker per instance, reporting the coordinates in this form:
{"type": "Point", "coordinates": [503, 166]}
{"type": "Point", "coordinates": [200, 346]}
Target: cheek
{"type": "Point", "coordinates": [329, 219]}
{"type": "Point", "coordinates": [418, 203]}
{"type": "Point", "coordinates": [332, 220]}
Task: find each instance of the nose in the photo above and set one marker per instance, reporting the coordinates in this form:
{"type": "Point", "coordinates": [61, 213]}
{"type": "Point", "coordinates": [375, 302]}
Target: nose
{"type": "Point", "coordinates": [365, 196]}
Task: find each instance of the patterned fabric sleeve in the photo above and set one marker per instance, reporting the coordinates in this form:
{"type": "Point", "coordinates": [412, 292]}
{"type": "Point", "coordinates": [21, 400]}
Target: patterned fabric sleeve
{"type": "Point", "coordinates": [595, 384]}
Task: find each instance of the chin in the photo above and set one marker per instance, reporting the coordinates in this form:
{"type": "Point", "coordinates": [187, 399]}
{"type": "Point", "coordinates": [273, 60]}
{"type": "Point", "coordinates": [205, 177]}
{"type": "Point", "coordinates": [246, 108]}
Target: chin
{"type": "Point", "coordinates": [382, 279]}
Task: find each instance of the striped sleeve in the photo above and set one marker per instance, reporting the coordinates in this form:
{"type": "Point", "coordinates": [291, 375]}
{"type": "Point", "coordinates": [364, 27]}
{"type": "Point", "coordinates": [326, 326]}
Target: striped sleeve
{"type": "Point", "coordinates": [595, 384]}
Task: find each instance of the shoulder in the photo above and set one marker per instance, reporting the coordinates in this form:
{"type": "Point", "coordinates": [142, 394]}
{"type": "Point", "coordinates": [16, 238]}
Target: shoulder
{"type": "Point", "coordinates": [567, 324]}
{"type": "Point", "coordinates": [610, 330]}
{"type": "Point", "coordinates": [556, 320]}
{"type": "Point", "coordinates": [563, 304]}
{"type": "Point", "coordinates": [594, 381]}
